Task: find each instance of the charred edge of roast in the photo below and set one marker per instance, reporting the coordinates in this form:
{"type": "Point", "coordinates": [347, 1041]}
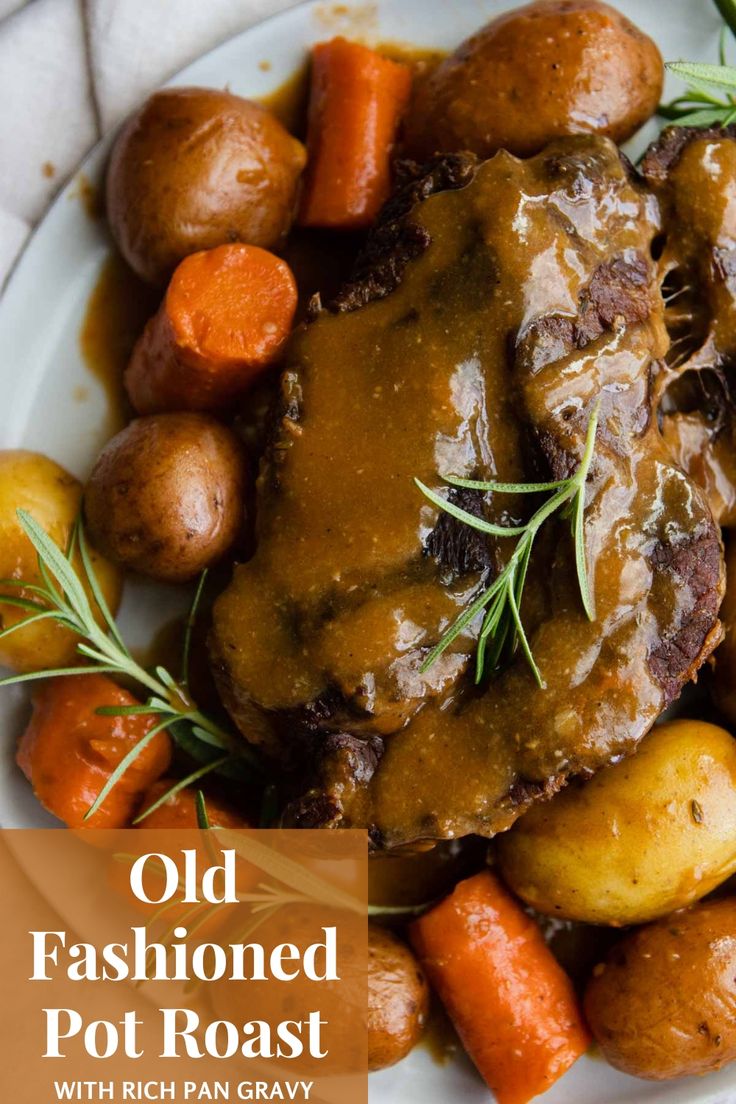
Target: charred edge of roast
{"type": "Point", "coordinates": [617, 293]}
{"type": "Point", "coordinates": [695, 566]}
{"type": "Point", "coordinates": [527, 790]}
{"type": "Point", "coordinates": [663, 155]}
{"type": "Point", "coordinates": [457, 547]}
{"type": "Point", "coordinates": [352, 762]}
{"type": "Point", "coordinates": [395, 240]}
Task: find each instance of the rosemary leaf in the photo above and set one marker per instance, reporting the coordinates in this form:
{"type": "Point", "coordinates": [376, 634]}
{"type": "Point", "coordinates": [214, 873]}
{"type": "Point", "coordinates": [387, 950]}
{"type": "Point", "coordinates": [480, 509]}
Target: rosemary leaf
{"type": "Point", "coordinates": [580, 564]}
{"type": "Point", "coordinates": [94, 653]}
{"type": "Point", "coordinates": [399, 910]}
{"type": "Point", "coordinates": [49, 556]}
{"type": "Point", "coordinates": [523, 638]}
{"type": "Point", "coordinates": [124, 763]}
{"type": "Point", "coordinates": [166, 679]}
{"type": "Point", "coordinates": [461, 623]}
{"type": "Point", "coordinates": [704, 76]}
{"type": "Point", "coordinates": [480, 524]}
{"type": "Point", "coordinates": [26, 621]}
{"type": "Point", "coordinates": [59, 672]}
{"type": "Point", "coordinates": [181, 784]}
{"type": "Point", "coordinates": [25, 604]}
{"type": "Point", "coordinates": [203, 820]}
{"type": "Point", "coordinates": [191, 620]}
{"type": "Point", "coordinates": [22, 584]}
{"type": "Point", "coordinates": [213, 739]}
{"type": "Point", "coordinates": [502, 600]}
{"type": "Point", "coordinates": [130, 710]}
{"type": "Point", "coordinates": [53, 591]}
{"type": "Point", "coordinates": [491, 629]}
{"type": "Point", "coordinates": [503, 488]}
{"type": "Point", "coordinates": [96, 589]}
{"type": "Point", "coordinates": [707, 116]}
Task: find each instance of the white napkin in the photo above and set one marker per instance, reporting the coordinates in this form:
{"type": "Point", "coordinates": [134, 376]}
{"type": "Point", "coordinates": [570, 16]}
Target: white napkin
{"type": "Point", "coordinates": [71, 69]}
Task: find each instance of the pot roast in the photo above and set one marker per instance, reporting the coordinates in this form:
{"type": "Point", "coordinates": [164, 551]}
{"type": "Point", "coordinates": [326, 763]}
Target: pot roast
{"type": "Point", "coordinates": [496, 305]}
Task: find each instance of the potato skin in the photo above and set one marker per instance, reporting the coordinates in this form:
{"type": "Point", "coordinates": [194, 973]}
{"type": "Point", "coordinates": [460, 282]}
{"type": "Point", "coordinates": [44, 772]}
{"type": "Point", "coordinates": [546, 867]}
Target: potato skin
{"type": "Point", "coordinates": [663, 1004]}
{"type": "Point", "coordinates": [642, 838]}
{"type": "Point", "coordinates": [165, 497]}
{"type": "Point", "coordinates": [548, 69]}
{"type": "Point", "coordinates": [398, 999]}
{"type": "Point", "coordinates": [32, 482]}
{"type": "Point", "coordinates": [195, 168]}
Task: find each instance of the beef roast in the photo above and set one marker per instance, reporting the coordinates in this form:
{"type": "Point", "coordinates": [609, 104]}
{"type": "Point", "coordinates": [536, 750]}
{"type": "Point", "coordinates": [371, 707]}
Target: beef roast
{"type": "Point", "coordinates": [496, 313]}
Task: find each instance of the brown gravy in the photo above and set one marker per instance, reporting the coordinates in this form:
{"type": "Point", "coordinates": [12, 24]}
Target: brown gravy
{"type": "Point", "coordinates": [118, 308]}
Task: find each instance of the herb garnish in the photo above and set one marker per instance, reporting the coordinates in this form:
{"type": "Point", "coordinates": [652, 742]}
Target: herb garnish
{"type": "Point", "coordinates": [63, 597]}
{"type": "Point", "coordinates": [699, 106]}
{"type": "Point", "coordinates": [502, 625]}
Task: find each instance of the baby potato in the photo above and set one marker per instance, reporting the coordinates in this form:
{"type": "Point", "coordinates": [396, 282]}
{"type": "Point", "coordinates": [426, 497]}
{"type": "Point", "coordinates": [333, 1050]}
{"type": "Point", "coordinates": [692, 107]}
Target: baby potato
{"type": "Point", "coordinates": [195, 168]}
{"type": "Point", "coordinates": [32, 482]}
{"type": "Point", "coordinates": [398, 999]}
{"type": "Point", "coordinates": [535, 73]}
{"type": "Point", "coordinates": [642, 838]}
{"type": "Point", "coordinates": [663, 1004]}
{"type": "Point", "coordinates": [165, 497]}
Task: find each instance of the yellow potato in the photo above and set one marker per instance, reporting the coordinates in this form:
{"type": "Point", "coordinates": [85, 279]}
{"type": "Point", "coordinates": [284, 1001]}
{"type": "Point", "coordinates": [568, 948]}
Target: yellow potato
{"type": "Point", "coordinates": [52, 496]}
{"type": "Point", "coordinates": [647, 836]}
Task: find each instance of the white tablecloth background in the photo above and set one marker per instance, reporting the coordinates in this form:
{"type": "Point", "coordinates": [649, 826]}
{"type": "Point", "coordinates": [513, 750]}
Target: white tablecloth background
{"type": "Point", "coordinates": [72, 69]}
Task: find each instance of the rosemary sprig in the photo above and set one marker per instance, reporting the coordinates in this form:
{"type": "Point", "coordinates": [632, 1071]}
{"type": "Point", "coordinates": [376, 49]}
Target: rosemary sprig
{"type": "Point", "coordinates": [699, 105]}
{"type": "Point", "coordinates": [502, 626]}
{"type": "Point", "coordinates": [64, 597]}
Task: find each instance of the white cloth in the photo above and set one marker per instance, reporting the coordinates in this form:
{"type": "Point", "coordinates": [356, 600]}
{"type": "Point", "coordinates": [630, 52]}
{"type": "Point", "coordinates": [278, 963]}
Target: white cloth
{"type": "Point", "coordinates": [71, 69]}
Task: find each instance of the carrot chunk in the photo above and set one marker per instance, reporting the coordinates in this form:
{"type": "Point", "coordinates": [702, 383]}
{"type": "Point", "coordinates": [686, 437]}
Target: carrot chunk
{"type": "Point", "coordinates": [512, 1004]}
{"type": "Point", "coordinates": [68, 751]}
{"type": "Point", "coordinates": [226, 316]}
{"type": "Point", "coordinates": [356, 101]}
{"type": "Point", "coordinates": [180, 810]}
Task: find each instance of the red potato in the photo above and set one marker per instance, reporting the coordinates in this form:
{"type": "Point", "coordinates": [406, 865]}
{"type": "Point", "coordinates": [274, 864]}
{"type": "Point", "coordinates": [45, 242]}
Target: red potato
{"type": "Point", "coordinates": [165, 496]}
{"type": "Point", "coordinates": [663, 1004]}
{"type": "Point", "coordinates": [398, 999]}
{"type": "Point", "coordinates": [195, 168]}
{"type": "Point", "coordinates": [536, 73]}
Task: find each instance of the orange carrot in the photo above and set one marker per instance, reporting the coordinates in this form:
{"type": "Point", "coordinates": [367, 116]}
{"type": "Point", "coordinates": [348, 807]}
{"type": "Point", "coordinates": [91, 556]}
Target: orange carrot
{"type": "Point", "coordinates": [180, 810]}
{"type": "Point", "coordinates": [68, 751]}
{"type": "Point", "coordinates": [226, 316]}
{"type": "Point", "coordinates": [512, 1004]}
{"type": "Point", "coordinates": [356, 101]}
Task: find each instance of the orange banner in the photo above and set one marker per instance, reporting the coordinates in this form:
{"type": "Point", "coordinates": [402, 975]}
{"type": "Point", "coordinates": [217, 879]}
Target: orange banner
{"type": "Point", "coordinates": [184, 965]}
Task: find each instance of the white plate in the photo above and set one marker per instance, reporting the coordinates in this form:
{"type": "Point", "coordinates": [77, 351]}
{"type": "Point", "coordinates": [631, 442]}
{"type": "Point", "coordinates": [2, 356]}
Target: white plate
{"type": "Point", "coordinates": [41, 369]}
